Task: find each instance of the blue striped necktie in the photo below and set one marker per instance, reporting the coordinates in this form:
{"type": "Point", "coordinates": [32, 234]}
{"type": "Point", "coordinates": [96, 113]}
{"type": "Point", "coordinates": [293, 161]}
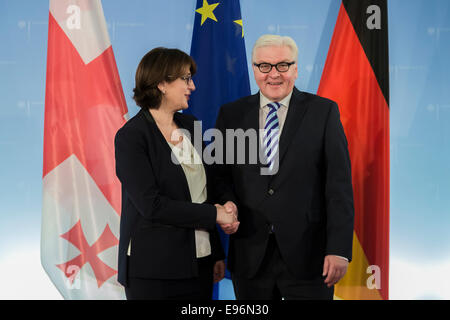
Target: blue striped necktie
{"type": "Point", "coordinates": [271, 134]}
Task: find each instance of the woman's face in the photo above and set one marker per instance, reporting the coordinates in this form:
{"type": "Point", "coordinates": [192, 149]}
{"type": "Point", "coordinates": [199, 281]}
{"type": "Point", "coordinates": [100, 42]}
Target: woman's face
{"type": "Point", "coordinates": [176, 93]}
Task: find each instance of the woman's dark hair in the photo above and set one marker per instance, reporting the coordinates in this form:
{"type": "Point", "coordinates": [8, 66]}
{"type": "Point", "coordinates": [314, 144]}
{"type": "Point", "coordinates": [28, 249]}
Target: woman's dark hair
{"type": "Point", "coordinates": [159, 65]}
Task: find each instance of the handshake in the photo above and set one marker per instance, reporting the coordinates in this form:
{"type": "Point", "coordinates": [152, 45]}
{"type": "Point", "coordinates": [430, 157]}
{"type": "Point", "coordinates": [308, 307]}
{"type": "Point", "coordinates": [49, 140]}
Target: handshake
{"type": "Point", "coordinates": [227, 217]}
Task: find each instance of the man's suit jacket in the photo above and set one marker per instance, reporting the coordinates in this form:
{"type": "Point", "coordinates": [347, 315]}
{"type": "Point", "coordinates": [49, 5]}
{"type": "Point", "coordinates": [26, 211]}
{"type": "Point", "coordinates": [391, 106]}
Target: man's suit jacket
{"type": "Point", "coordinates": [157, 213]}
{"type": "Point", "coordinates": [308, 203]}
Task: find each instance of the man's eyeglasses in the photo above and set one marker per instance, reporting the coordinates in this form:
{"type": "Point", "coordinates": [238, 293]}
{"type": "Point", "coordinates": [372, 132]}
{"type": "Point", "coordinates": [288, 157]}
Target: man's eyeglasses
{"type": "Point", "coordinates": [267, 67]}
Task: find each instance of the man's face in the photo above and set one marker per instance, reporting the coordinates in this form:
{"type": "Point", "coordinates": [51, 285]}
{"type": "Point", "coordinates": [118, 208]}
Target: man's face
{"type": "Point", "coordinates": [275, 85]}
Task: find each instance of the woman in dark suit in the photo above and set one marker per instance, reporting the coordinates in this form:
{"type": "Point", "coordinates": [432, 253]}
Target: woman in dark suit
{"type": "Point", "coordinates": [169, 246]}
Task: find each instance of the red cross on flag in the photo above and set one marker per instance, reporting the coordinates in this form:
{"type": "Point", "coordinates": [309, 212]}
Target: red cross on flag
{"type": "Point", "coordinates": [84, 108]}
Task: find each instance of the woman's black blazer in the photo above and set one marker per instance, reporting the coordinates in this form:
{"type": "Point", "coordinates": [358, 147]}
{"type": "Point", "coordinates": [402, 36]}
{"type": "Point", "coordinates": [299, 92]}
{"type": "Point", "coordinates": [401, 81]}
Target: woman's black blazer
{"type": "Point", "coordinates": [157, 213]}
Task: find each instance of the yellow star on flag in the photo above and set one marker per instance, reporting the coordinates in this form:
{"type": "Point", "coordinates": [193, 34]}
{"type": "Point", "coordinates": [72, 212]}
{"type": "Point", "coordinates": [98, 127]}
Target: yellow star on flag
{"type": "Point", "coordinates": [239, 22]}
{"type": "Point", "coordinates": [207, 11]}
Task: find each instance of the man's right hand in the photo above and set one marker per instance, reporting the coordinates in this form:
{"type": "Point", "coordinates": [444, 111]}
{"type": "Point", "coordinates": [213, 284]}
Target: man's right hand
{"type": "Point", "coordinates": [229, 227]}
{"type": "Point", "coordinates": [223, 217]}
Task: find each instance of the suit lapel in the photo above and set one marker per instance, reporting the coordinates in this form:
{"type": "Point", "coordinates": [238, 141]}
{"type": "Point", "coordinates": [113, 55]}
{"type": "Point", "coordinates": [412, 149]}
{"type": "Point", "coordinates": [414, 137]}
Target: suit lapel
{"type": "Point", "coordinates": [158, 135]}
{"type": "Point", "coordinates": [295, 114]}
{"type": "Point", "coordinates": [250, 120]}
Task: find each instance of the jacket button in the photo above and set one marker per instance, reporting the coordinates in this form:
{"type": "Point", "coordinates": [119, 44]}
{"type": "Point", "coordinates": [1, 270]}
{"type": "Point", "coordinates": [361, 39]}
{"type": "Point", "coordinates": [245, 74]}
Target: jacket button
{"type": "Point", "coordinates": [271, 192]}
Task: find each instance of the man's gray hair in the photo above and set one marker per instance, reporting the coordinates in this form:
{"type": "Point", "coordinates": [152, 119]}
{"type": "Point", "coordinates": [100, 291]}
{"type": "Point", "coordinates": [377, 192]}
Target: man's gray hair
{"type": "Point", "coordinates": [269, 40]}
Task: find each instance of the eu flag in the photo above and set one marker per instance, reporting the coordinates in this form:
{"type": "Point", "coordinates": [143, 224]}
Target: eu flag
{"type": "Point", "coordinates": [218, 48]}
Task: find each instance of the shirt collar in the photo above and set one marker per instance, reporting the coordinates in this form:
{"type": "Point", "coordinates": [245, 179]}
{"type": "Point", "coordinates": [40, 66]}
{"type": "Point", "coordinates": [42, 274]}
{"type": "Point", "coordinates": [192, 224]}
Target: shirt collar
{"type": "Point", "coordinates": [264, 101]}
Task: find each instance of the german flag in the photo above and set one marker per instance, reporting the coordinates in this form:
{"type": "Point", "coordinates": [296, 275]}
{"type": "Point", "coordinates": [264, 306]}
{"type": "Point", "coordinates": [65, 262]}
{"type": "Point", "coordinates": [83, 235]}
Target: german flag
{"type": "Point", "coordinates": [356, 76]}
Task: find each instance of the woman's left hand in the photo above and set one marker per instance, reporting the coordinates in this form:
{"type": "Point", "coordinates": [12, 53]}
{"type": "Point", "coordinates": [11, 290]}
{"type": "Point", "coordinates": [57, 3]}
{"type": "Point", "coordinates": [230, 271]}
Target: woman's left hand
{"type": "Point", "coordinates": [219, 271]}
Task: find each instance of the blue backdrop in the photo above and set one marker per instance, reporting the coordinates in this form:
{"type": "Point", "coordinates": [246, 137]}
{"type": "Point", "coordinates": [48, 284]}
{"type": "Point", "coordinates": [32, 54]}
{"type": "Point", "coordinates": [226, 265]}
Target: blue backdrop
{"type": "Point", "coordinates": [419, 48]}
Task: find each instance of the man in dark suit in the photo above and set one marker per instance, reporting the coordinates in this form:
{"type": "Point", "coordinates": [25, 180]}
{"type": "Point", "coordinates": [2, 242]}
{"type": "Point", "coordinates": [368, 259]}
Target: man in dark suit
{"type": "Point", "coordinates": [295, 209]}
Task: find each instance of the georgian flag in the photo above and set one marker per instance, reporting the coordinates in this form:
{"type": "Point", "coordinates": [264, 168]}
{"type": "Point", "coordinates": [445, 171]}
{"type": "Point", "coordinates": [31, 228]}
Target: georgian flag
{"type": "Point", "coordinates": [84, 108]}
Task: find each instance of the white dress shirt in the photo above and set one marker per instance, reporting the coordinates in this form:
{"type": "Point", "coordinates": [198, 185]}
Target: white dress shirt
{"type": "Point", "coordinates": [195, 174]}
{"type": "Point", "coordinates": [281, 112]}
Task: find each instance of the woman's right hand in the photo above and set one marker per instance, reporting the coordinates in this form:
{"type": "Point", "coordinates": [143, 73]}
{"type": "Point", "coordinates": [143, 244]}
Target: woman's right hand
{"type": "Point", "coordinates": [223, 217]}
